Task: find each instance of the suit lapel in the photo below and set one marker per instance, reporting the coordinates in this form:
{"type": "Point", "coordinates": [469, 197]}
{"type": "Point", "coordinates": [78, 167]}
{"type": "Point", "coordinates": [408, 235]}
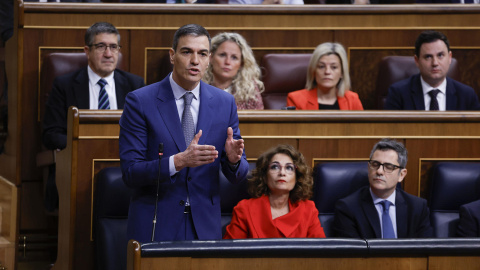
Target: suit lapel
{"type": "Point", "coordinates": [206, 111]}
{"type": "Point", "coordinates": [120, 91]}
{"type": "Point", "coordinates": [312, 100]}
{"type": "Point", "coordinates": [401, 215]}
{"type": "Point", "coordinates": [167, 108]}
{"type": "Point", "coordinates": [417, 94]}
{"type": "Point", "coordinates": [81, 90]}
{"type": "Point", "coordinates": [371, 212]}
{"type": "Point", "coordinates": [451, 96]}
{"type": "Point", "coordinates": [261, 216]}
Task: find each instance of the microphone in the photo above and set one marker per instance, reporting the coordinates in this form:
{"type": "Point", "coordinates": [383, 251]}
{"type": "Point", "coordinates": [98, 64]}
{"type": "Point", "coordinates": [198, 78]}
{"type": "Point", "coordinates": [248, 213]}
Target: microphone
{"type": "Point", "coordinates": [160, 154]}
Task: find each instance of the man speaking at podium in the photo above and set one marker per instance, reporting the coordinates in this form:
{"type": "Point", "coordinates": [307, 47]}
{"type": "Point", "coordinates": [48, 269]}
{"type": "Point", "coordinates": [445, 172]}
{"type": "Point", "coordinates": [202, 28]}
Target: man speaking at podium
{"type": "Point", "coordinates": [198, 127]}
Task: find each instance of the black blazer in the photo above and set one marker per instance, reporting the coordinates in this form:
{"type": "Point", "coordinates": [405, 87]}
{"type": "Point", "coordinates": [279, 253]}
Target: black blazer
{"type": "Point", "coordinates": [469, 225]}
{"type": "Point", "coordinates": [408, 95]}
{"type": "Point", "coordinates": [356, 216]}
{"type": "Point", "coordinates": [72, 90]}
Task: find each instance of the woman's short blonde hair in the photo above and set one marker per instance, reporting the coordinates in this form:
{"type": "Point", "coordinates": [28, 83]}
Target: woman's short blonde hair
{"type": "Point", "coordinates": [248, 76]}
{"type": "Point", "coordinates": [303, 190]}
{"type": "Point", "coordinates": [329, 48]}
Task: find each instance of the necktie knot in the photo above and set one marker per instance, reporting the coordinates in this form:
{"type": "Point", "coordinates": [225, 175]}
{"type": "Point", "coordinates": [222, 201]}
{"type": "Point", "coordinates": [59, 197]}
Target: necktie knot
{"type": "Point", "coordinates": [386, 205]}
{"type": "Point", "coordinates": [188, 98]}
{"type": "Point", "coordinates": [102, 83]}
{"type": "Point", "coordinates": [433, 93]}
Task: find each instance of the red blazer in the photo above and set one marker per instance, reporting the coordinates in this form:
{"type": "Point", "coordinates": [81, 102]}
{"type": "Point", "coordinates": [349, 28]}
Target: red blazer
{"type": "Point", "coordinates": [307, 100]}
{"type": "Point", "coordinates": [252, 218]}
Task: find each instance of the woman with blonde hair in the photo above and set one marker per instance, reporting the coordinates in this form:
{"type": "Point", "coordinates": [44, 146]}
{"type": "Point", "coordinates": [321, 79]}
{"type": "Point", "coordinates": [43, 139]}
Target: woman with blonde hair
{"type": "Point", "coordinates": [328, 82]}
{"type": "Point", "coordinates": [281, 186]}
{"type": "Point", "coordinates": [233, 68]}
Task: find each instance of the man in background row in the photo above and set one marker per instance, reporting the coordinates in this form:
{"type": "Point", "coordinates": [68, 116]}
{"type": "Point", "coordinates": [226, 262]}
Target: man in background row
{"type": "Point", "coordinates": [431, 90]}
{"type": "Point", "coordinates": [100, 85]}
{"type": "Point", "coordinates": [382, 210]}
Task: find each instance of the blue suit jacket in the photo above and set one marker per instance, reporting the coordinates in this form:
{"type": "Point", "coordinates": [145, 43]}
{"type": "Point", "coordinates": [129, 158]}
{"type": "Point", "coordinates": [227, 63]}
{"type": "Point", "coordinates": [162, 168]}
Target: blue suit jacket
{"type": "Point", "coordinates": [408, 95]}
{"type": "Point", "coordinates": [469, 225]}
{"type": "Point", "coordinates": [357, 217]}
{"type": "Point", "coordinates": [150, 117]}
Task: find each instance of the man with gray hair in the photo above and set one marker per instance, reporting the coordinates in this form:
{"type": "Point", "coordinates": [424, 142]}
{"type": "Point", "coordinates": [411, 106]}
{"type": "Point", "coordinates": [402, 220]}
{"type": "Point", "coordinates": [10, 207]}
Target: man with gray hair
{"type": "Point", "coordinates": [382, 210]}
{"type": "Point", "coordinates": [99, 85]}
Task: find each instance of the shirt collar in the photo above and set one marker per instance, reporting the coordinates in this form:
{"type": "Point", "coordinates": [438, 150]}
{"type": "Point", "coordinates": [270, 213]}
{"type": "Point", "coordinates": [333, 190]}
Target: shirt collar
{"type": "Point", "coordinates": [94, 77]}
{"type": "Point", "coordinates": [377, 200]}
{"type": "Point", "coordinates": [178, 91]}
{"type": "Point", "coordinates": [427, 88]}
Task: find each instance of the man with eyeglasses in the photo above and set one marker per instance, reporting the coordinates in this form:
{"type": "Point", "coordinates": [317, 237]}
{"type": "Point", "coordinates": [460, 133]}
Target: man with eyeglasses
{"type": "Point", "coordinates": [100, 85]}
{"type": "Point", "coordinates": [83, 87]}
{"type": "Point", "coordinates": [382, 210]}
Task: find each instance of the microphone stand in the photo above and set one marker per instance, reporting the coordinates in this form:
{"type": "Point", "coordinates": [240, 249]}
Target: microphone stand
{"type": "Point", "coordinates": [160, 154]}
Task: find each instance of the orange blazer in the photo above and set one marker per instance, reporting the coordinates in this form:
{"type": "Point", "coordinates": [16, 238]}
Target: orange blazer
{"type": "Point", "coordinates": [307, 100]}
{"type": "Point", "coordinates": [252, 218]}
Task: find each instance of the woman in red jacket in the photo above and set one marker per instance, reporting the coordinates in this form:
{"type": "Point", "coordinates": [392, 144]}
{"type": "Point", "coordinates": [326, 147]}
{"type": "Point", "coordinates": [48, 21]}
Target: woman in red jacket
{"type": "Point", "coordinates": [280, 188]}
{"type": "Point", "coordinates": [328, 82]}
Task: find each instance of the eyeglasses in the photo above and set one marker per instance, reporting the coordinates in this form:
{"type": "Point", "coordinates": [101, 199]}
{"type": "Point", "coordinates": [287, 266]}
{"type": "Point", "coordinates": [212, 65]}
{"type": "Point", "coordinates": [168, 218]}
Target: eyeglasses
{"type": "Point", "coordinates": [276, 168]}
{"type": "Point", "coordinates": [102, 47]}
{"type": "Point", "coordinates": [387, 167]}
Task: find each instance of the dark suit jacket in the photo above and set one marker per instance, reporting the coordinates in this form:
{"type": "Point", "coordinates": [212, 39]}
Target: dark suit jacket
{"type": "Point", "coordinates": [72, 90]}
{"type": "Point", "coordinates": [357, 217]}
{"type": "Point", "coordinates": [150, 117]}
{"type": "Point", "coordinates": [469, 225]}
{"type": "Point", "coordinates": [408, 95]}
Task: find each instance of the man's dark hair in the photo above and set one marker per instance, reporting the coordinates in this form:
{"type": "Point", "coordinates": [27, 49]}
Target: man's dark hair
{"type": "Point", "coordinates": [430, 36]}
{"type": "Point", "coordinates": [192, 30]}
{"type": "Point", "coordinates": [100, 28]}
{"type": "Point", "coordinates": [391, 144]}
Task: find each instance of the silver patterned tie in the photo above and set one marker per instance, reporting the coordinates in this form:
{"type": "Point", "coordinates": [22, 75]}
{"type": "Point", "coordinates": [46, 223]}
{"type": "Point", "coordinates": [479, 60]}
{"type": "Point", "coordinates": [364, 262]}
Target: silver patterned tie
{"type": "Point", "coordinates": [188, 125]}
{"type": "Point", "coordinates": [103, 103]}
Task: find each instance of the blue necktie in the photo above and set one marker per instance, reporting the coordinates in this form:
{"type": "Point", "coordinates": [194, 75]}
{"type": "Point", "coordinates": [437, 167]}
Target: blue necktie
{"type": "Point", "coordinates": [387, 225]}
{"type": "Point", "coordinates": [434, 102]}
{"type": "Point", "coordinates": [103, 103]}
{"type": "Point", "coordinates": [188, 125]}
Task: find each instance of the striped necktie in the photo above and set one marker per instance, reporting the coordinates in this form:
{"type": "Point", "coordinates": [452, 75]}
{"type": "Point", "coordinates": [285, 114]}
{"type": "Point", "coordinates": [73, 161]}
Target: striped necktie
{"type": "Point", "coordinates": [103, 103]}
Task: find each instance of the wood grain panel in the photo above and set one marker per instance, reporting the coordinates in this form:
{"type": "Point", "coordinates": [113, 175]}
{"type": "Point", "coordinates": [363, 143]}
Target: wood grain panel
{"type": "Point", "coordinates": [364, 71]}
{"type": "Point", "coordinates": [453, 263]}
{"type": "Point", "coordinates": [431, 149]}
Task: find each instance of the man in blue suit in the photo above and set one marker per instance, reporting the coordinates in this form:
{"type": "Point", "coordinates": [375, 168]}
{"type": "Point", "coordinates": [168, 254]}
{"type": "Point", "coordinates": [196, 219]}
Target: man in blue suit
{"type": "Point", "coordinates": [382, 210]}
{"type": "Point", "coordinates": [188, 194]}
{"type": "Point", "coordinates": [431, 89]}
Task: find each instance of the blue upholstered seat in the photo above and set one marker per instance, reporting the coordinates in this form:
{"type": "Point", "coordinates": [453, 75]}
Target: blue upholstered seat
{"type": "Point", "coordinates": [111, 202]}
{"type": "Point", "coordinates": [334, 181]}
{"type": "Point", "coordinates": [452, 185]}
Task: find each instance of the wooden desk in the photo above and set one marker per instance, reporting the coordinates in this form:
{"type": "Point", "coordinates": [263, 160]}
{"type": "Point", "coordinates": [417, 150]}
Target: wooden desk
{"type": "Point", "coordinates": [307, 253]}
{"type": "Point", "coordinates": [320, 136]}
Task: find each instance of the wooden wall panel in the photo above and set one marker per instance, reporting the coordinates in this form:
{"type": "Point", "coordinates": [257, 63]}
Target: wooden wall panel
{"type": "Point", "coordinates": [364, 71]}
